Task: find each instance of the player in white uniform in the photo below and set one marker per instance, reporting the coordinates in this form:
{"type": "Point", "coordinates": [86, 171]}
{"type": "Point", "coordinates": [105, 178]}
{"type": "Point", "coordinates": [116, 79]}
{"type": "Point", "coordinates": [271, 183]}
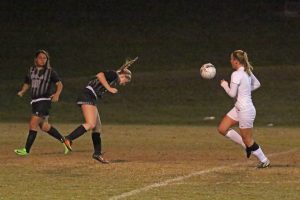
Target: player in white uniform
{"type": "Point", "coordinates": [243, 82]}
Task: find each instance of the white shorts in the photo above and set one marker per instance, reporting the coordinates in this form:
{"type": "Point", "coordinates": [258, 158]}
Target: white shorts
{"type": "Point", "coordinates": [244, 117]}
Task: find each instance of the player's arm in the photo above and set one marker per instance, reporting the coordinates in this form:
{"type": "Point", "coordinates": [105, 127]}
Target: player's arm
{"type": "Point", "coordinates": [234, 84]}
{"type": "Point", "coordinates": [255, 84]}
{"type": "Point", "coordinates": [25, 86]}
{"type": "Point", "coordinates": [101, 77]}
{"type": "Point", "coordinates": [232, 90]}
{"type": "Point", "coordinates": [24, 89]}
{"type": "Point", "coordinates": [59, 86]}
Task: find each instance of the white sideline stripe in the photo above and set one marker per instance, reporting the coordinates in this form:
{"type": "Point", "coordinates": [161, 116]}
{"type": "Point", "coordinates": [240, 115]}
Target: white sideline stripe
{"type": "Point", "coordinates": [180, 178]}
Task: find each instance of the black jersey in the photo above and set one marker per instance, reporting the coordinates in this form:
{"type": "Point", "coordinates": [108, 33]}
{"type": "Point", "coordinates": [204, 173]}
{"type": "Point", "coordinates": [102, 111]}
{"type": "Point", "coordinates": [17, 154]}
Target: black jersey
{"type": "Point", "coordinates": [41, 81]}
{"type": "Point", "coordinates": [98, 89]}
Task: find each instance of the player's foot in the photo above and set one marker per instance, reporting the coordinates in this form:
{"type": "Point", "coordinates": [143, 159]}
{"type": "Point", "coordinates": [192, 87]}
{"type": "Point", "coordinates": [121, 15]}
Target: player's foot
{"type": "Point", "coordinates": [100, 158]}
{"type": "Point", "coordinates": [66, 150]}
{"type": "Point", "coordinates": [68, 144]}
{"type": "Point", "coordinates": [263, 164]}
{"type": "Point", "coordinates": [21, 152]}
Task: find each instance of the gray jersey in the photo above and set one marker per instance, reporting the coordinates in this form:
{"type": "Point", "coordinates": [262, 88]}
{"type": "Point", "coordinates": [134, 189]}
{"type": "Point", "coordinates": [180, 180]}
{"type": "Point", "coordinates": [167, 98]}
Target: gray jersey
{"type": "Point", "coordinates": [41, 82]}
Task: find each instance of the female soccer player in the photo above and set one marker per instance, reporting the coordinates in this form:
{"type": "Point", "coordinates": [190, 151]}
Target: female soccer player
{"type": "Point", "coordinates": [101, 83]}
{"type": "Point", "coordinates": [243, 82]}
{"type": "Point", "coordinates": [41, 78]}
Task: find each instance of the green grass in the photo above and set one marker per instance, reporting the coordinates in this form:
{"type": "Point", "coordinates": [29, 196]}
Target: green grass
{"type": "Point", "coordinates": [143, 155]}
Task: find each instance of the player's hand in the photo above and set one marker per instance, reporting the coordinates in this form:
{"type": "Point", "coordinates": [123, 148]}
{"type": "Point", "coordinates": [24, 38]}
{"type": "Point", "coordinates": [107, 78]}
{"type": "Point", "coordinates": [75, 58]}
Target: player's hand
{"type": "Point", "coordinates": [20, 93]}
{"type": "Point", "coordinates": [54, 97]}
{"type": "Point", "coordinates": [223, 83]}
{"type": "Point", "coordinates": [113, 90]}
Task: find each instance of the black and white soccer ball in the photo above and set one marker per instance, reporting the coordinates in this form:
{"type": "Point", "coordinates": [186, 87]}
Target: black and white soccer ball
{"type": "Point", "coordinates": [208, 71]}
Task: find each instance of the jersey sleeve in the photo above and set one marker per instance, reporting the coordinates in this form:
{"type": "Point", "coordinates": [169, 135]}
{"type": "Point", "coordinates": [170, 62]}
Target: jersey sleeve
{"type": "Point", "coordinates": [110, 75]}
{"type": "Point", "coordinates": [254, 82]}
{"type": "Point", "coordinates": [54, 77]}
{"type": "Point", "coordinates": [27, 79]}
{"type": "Point", "coordinates": [235, 78]}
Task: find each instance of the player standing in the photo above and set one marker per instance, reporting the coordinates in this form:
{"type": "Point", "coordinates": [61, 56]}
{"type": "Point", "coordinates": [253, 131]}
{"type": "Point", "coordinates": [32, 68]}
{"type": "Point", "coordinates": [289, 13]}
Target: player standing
{"type": "Point", "coordinates": [40, 79]}
{"type": "Point", "coordinates": [87, 100]}
{"type": "Point", "coordinates": [243, 82]}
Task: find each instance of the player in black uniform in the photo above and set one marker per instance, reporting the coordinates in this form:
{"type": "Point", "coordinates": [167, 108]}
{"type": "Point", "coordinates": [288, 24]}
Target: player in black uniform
{"type": "Point", "coordinates": [41, 79]}
{"type": "Point", "coordinates": [101, 83]}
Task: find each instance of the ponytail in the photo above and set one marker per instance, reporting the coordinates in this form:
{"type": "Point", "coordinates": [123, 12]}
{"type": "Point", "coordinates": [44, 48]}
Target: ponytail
{"type": "Point", "coordinates": [242, 57]}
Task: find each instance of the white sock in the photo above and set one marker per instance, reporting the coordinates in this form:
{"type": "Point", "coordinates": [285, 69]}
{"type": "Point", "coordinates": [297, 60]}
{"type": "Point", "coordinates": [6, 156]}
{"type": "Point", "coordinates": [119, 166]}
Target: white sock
{"type": "Point", "coordinates": [234, 136]}
{"type": "Point", "coordinates": [260, 155]}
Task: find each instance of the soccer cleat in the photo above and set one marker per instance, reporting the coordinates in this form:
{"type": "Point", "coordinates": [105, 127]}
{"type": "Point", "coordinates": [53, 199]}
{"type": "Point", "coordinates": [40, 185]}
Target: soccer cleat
{"type": "Point", "coordinates": [67, 143]}
{"type": "Point", "coordinates": [262, 165]}
{"type": "Point", "coordinates": [21, 152]}
{"type": "Point", "coordinates": [100, 158]}
{"type": "Point", "coordinates": [66, 151]}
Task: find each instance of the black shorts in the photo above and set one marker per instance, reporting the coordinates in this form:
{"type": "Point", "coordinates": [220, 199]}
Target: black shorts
{"type": "Point", "coordinates": [86, 97]}
{"type": "Point", "coordinates": [41, 108]}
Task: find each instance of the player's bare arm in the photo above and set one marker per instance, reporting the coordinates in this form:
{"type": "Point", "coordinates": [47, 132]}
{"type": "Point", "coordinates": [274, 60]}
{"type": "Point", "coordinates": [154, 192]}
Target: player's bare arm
{"type": "Point", "coordinates": [103, 81]}
{"type": "Point", "coordinates": [55, 96]}
{"type": "Point", "coordinates": [24, 89]}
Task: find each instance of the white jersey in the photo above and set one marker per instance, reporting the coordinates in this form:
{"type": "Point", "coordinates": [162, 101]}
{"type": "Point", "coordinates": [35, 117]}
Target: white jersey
{"type": "Point", "coordinates": [241, 87]}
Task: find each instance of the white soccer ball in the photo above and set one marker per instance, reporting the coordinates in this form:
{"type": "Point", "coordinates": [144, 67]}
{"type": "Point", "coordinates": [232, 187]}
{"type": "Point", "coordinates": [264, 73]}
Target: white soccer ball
{"type": "Point", "coordinates": [208, 71]}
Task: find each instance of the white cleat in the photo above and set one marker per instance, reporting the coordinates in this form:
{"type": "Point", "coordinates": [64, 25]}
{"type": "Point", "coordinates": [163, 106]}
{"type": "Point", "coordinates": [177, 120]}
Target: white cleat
{"type": "Point", "coordinates": [262, 165]}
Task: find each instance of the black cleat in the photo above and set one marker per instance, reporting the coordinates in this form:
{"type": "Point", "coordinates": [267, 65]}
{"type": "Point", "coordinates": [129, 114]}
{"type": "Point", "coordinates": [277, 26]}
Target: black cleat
{"type": "Point", "coordinates": [100, 158]}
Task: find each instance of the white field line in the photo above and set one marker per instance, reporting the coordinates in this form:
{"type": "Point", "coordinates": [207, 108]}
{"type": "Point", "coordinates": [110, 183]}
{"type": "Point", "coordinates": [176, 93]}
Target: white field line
{"type": "Point", "coordinates": [181, 178]}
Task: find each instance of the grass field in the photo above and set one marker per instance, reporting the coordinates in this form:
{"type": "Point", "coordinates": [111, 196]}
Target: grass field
{"type": "Point", "coordinates": [150, 162]}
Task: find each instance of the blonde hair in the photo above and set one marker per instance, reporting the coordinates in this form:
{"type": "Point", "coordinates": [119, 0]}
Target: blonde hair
{"type": "Point", "coordinates": [242, 57]}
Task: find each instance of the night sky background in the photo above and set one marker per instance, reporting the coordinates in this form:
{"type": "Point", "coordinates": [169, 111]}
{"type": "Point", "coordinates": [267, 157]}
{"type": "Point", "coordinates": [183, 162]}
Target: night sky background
{"type": "Point", "coordinates": [172, 39]}
{"type": "Point", "coordinates": [165, 34]}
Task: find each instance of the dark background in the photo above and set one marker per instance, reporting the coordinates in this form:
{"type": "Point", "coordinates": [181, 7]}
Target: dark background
{"type": "Point", "coordinates": [172, 39]}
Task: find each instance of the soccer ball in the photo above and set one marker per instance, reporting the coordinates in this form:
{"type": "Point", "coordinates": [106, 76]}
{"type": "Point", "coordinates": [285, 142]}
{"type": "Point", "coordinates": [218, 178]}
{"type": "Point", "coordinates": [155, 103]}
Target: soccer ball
{"type": "Point", "coordinates": [208, 71]}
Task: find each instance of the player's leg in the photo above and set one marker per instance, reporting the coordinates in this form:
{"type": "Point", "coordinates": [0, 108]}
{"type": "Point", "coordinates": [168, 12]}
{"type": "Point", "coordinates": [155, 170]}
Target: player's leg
{"type": "Point", "coordinates": [48, 128]}
{"type": "Point", "coordinates": [224, 128]}
{"type": "Point", "coordinates": [89, 114]}
{"type": "Point", "coordinates": [254, 148]}
{"type": "Point", "coordinates": [97, 142]}
{"type": "Point", "coordinates": [246, 126]}
{"type": "Point", "coordinates": [33, 125]}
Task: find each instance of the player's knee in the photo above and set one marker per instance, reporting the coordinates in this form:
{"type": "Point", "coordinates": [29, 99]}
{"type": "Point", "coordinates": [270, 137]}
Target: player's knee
{"type": "Point", "coordinates": [45, 127]}
{"type": "Point", "coordinates": [33, 126]}
{"type": "Point", "coordinates": [89, 126]}
{"type": "Point", "coordinates": [222, 130]}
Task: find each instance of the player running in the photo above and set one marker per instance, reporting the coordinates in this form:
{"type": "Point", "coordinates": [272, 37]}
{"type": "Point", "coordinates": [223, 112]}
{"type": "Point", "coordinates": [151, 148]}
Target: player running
{"type": "Point", "coordinates": [243, 82]}
{"type": "Point", "coordinates": [95, 89]}
{"type": "Point", "coordinates": [40, 79]}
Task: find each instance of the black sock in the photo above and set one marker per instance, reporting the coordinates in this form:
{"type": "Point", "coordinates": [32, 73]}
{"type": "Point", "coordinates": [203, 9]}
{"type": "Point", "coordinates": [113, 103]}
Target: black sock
{"type": "Point", "coordinates": [30, 139]}
{"type": "Point", "coordinates": [252, 148]}
{"type": "Point", "coordinates": [54, 133]}
{"type": "Point", "coordinates": [97, 143]}
{"type": "Point", "coordinates": [79, 131]}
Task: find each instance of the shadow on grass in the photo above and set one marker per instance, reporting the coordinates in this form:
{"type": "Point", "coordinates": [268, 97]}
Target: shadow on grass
{"type": "Point", "coordinates": [119, 161]}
